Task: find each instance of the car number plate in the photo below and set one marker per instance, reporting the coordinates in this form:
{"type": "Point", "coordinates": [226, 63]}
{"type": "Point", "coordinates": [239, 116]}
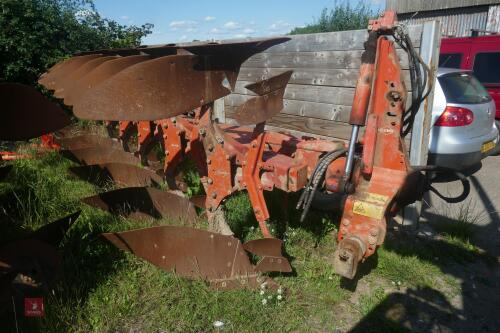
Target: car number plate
{"type": "Point", "coordinates": [487, 146]}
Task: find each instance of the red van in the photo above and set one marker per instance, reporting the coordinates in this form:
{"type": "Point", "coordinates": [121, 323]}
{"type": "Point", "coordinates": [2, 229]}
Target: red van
{"type": "Point", "coordinates": [479, 54]}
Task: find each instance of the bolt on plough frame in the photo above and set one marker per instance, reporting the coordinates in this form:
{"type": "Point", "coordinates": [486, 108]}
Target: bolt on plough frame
{"type": "Point", "coordinates": [166, 94]}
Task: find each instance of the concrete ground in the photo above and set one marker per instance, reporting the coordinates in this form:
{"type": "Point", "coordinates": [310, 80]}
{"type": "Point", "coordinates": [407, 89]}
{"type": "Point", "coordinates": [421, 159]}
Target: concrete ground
{"type": "Point", "coordinates": [482, 205]}
{"type": "Point", "coordinates": [478, 308]}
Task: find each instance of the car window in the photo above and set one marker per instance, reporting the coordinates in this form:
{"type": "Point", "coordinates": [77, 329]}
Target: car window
{"type": "Point", "coordinates": [486, 67]}
{"type": "Point", "coordinates": [463, 88]}
{"type": "Point", "coordinates": [450, 60]}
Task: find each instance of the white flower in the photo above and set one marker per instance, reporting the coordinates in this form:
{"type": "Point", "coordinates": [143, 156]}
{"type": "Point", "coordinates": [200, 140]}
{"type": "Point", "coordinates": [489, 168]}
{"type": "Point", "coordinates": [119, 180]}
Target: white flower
{"type": "Point", "coordinates": [279, 297]}
{"type": "Point", "coordinates": [280, 290]}
{"type": "Point", "coordinates": [270, 297]}
{"type": "Point", "coordinates": [262, 292]}
{"type": "Point", "coordinates": [264, 301]}
{"type": "Point", "coordinates": [263, 285]}
{"type": "Point", "coordinates": [399, 283]}
{"type": "Point", "coordinates": [218, 323]}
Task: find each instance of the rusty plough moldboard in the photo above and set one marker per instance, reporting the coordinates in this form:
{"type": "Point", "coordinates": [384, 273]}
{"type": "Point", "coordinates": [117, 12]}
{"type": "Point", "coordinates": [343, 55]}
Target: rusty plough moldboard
{"type": "Point", "coordinates": [166, 95]}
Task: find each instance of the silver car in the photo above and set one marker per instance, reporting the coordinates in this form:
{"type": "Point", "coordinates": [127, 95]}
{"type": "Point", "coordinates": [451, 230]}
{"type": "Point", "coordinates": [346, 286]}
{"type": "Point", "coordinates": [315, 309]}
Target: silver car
{"type": "Point", "coordinates": [463, 128]}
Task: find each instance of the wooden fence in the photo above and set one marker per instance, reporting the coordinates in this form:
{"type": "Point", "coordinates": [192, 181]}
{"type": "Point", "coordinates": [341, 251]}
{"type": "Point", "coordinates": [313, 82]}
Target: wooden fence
{"type": "Point", "coordinates": [319, 95]}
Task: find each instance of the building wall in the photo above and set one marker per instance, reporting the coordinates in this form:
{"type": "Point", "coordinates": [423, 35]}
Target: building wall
{"type": "Point", "coordinates": [456, 22]}
{"type": "Point", "coordinates": [411, 6]}
{"type": "Point", "coordinates": [493, 23]}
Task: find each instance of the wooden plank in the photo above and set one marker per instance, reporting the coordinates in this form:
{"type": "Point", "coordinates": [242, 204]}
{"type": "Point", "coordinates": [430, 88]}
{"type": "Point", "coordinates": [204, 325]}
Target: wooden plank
{"type": "Point", "coordinates": [334, 41]}
{"type": "Point", "coordinates": [310, 76]}
{"type": "Point", "coordinates": [299, 108]}
{"type": "Point", "coordinates": [325, 41]}
{"type": "Point", "coordinates": [298, 133]}
{"type": "Point", "coordinates": [318, 60]}
{"type": "Point", "coordinates": [312, 125]}
{"type": "Point", "coordinates": [327, 111]}
{"type": "Point", "coordinates": [328, 128]}
{"type": "Point", "coordinates": [295, 133]}
{"type": "Point", "coordinates": [318, 94]}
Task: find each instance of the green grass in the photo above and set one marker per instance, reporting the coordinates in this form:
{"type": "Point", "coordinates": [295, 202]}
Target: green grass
{"type": "Point", "coordinates": [105, 290]}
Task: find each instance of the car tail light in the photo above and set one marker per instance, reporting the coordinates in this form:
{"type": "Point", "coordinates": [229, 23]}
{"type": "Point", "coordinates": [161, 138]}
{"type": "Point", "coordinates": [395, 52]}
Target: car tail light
{"type": "Point", "coordinates": [455, 116]}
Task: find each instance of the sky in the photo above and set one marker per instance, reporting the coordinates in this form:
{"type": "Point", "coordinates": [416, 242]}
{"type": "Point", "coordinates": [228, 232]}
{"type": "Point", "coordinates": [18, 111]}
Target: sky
{"type": "Point", "coordinates": [186, 20]}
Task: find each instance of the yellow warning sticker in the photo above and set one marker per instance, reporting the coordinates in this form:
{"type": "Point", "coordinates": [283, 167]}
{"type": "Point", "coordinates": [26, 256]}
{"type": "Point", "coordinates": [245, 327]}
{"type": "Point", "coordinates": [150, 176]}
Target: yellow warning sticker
{"type": "Point", "coordinates": [368, 209]}
{"type": "Point", "coordinates": [376, 198]}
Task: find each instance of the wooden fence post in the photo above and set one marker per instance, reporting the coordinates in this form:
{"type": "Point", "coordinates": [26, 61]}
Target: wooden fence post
{"type": "Point", "coordinates": [219, 110]}
{"type": "Point", "coordinates": [419, 141]}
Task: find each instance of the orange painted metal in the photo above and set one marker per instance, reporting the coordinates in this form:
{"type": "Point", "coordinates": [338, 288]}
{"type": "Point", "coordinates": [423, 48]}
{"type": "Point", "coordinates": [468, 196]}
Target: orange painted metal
{"type": "Point", "coordinates": [251, 179]}
{"type": "Point", "coordinates": [362, 95]}
{"type": "Point", "coordinates": [172, 145]}
{"type": "Point", "coordinates": [145, 136]}
{"type": "Point", "coordinates": [385, 166]}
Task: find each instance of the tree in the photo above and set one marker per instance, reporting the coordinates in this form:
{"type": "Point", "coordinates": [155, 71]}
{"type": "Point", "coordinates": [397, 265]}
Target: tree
{"type": "Point", "coordinates": [343, 16]}
{"type": "Point", "coordinates": [35, 34]}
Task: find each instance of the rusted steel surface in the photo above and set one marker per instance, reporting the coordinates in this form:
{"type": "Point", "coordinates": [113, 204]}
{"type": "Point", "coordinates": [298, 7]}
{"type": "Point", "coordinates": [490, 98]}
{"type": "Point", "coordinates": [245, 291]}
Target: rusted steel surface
{"type": "Point", "coordinates": [87, 141]}
{"type": "Point", "coordinates": [267, 104]}
{"type": "Point", "coordinates": [100, 74]}
{"type": "Point", "coordinates": [120, 173]}
{"type": "Point", "coordinates": [272, 258]}
{"type": "Point", "coordinates": [144, 203]}
{"type": "Point", "coordinates": [273, 264]}
{"type": "Point", "coordinates": [139, 93]}
{"type": "Point", "coordinates": [27, 114]}
{"type": "Point", "coordinates": [62, 85]}
{"type": "Point", "coordinates": [100, 155]}
{"type": "Point", "coordinates": [102, 86]}
{"type": "Point", "coordinates": [61, 70]}
{"type": "Point", "coordinates": [192, 253]}
{"type": "Point", "coordinates": [264, 247]}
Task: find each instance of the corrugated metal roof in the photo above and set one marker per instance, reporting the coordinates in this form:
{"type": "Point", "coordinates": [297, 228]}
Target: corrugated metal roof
{"type": "Point", "coordinates": [411, 6]}
{"type": "Point", "coordinates": [456, 22]}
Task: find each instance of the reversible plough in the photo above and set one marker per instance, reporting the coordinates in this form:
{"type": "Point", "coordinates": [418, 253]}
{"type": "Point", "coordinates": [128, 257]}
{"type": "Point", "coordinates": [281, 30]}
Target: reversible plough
{"type": "Point", "coordinates": [166, 95]}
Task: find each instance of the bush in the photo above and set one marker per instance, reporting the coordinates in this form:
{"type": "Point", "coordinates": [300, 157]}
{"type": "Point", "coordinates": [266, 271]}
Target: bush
{"type": "Point", "coordinates": [343, 16]}
{"type": "Point", "coordinates": [35, 34]}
